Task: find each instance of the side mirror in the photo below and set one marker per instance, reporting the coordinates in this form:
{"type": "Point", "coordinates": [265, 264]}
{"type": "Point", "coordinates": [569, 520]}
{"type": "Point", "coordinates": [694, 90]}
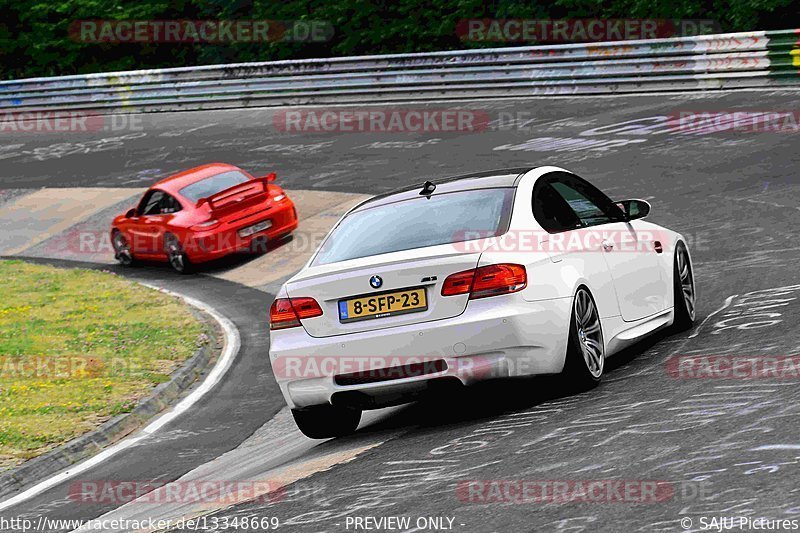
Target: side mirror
{"type": "Point", "coordinates": [269, 177]}
{"type": "Point", "coordinates": [634, 209]}
{"type": "Point", "coordinates": [131, 213]}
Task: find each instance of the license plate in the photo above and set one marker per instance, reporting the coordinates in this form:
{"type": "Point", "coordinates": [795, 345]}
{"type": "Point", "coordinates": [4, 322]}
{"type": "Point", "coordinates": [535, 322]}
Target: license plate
{"type": "Point", "coordinates": [383, 305]}
{"type": "Point", "coordinates": [255, 228]}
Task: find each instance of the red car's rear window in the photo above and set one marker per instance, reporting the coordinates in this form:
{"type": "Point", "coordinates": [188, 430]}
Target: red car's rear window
{"type": "Point", "coordinates": [212, 185]}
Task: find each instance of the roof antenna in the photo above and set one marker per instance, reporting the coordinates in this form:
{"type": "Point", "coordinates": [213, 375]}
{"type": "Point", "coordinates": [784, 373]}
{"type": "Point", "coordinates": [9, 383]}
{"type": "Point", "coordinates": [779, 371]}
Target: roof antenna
{"type": "Point", "coordinates": [427, 189]}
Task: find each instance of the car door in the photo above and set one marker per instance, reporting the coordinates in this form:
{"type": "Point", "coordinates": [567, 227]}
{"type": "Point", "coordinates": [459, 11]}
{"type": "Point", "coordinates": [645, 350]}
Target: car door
{"type": "Point", "coordinates": [159, 221]}
{"type": "Point", "coordinates": [144, 227]}
{"type": "Point", "coordinates": [564, 244]}
{"type": "Point", "coordinates": [629, 255]}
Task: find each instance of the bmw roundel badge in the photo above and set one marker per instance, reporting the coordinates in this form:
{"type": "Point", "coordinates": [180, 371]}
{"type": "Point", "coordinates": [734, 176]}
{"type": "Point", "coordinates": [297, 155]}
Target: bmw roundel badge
{"type": "Point", "coordinates": [375, 282]}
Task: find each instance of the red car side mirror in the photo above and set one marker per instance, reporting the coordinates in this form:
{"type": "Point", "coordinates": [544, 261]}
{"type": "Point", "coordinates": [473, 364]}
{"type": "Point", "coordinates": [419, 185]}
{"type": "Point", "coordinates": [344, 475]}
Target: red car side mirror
{"type": "Point", "coordinates": [131, 213]}
{"type": "Point", "coordinates": [269, 177]}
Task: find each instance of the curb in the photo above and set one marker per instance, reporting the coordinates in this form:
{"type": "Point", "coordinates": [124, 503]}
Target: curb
{"type": "Point", "coordinates": [91, 443]}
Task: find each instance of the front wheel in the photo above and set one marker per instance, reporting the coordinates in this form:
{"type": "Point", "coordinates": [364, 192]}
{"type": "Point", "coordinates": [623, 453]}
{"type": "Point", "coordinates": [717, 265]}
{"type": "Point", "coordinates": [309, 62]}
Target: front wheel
{"type": "Point", "coordinates": [326, 421]}
{"type": "Point", "coordinates": [122, 249]}
{"type": "Point", "coordinates": [683, 289]}
{"type": "Point", "coordinates": [585, 359]}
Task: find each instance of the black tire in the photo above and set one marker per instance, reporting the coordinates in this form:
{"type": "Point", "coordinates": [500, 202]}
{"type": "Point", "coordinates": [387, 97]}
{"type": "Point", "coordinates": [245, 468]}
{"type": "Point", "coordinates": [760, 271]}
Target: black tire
{"type": "Point", "coordinates": [122, 250]}
{"type": "Point", "coordinates": [326, 421]}
{"type": "Point", "coordinates": [683, 288]}
{"type": "Point", "coordinates": [585, 359]}
{"type": "Point", "coordinates": [178, 259]}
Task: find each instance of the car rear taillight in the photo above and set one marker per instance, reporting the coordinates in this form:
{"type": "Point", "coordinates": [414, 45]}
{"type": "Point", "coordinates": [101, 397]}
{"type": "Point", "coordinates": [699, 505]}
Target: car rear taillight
{"type": "Point", "coordinates": [208, 224]}
{"type": "Point", "coordinates": [287, 312]}
{"type": "Point", "coordinates": [458, 283]}
{"type": "Point", "coordinates": [485, 281]}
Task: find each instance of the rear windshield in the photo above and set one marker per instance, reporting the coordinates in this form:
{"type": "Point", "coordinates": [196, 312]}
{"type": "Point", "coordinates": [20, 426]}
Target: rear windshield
{"type": "Point", "coordinates": [212, 185]}
{"type": "Point", "coordinates": [417, 223]}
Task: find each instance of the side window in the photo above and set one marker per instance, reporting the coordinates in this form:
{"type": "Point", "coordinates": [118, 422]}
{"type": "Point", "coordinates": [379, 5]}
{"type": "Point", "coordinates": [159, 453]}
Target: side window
{"type": "Point", "coordinates": [590, 205]}
{"type": "Point", "coordinates": [151, 203]}
{"type": "Point", "coordinates": [551, 211]}
{"type": "Point", "coordinates": [169, 205]}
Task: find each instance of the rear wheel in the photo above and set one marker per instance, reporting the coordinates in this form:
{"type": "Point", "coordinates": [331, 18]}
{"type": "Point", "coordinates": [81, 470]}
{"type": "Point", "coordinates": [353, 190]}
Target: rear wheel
{"type": "Point", "coordinates": [585, 360]}
{"type": "Point", "coordinates": [326, 421]}
{"type": "Point", "coordinates": [177, 257]}
{"type": "Point", "coordinates": [683, 289]}
{"type": "Point", "coordinates": [122, 249]}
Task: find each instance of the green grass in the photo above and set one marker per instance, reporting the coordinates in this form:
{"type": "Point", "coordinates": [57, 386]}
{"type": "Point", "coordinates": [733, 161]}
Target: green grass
{"type": "Point", "coordinates": [78, 347]}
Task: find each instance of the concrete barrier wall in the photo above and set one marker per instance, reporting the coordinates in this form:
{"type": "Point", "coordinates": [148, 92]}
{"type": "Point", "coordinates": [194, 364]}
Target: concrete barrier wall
{"type": "Point", "coordinates": [736, 60]}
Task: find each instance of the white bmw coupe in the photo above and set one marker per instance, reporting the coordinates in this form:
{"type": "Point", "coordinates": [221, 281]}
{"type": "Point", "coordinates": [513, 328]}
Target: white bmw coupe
{"type": "Point", "coordinates": [505, 273]}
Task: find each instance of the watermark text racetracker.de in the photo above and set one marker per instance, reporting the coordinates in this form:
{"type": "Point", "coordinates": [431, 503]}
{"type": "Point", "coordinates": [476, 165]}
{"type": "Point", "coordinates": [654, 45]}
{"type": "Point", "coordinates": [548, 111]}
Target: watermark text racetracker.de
{"type": "Point", "coordinates": [705, 122]}
{"type": "Point", "coordinates": [579, 30]}
{"type": "Point", "coordinates": [93, 242]}
{"type": "Point", "coordinates": [592, 239]}
{"type": "Point", "coordinates": [745, 367]}
{"type": "Point", "coordinates": [67, 122]}
{"type": "Point", "coordinates": [61, 367]}
{"type": "Point", "coordinates": [206, 491]}
{"type": "Point", "coordinates": [50, 367]}
{"type": "Point", "coordinates": [378, 120]}
{"type": "Point", "coordinates": [200, 31]}
{"type": "Point", "coordinates": [572, 491]}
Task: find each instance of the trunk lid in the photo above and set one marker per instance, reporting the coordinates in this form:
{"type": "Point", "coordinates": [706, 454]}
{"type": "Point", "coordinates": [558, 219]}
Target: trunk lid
{"type": "Point", "coordinates": [241, 205]}
{"type": "Point", "coordinates": [408, 269]}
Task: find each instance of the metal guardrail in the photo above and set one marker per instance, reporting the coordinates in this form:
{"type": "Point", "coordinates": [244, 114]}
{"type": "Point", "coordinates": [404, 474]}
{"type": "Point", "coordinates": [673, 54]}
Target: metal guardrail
{"type": "Point", "coordinates": [736, 60]}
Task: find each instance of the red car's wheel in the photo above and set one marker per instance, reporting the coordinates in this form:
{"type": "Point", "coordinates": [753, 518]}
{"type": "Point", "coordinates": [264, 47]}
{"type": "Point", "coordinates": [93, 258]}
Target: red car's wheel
{"type": "Point", "coordinates": [122, 249]}
{"type": "Point", "coordinates": [177, 257]}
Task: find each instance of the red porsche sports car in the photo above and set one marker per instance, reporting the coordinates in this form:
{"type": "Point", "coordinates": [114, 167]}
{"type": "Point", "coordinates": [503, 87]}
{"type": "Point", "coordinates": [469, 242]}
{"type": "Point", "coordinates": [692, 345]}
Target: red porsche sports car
{"type": "Point", "coordinates": [202, 214]}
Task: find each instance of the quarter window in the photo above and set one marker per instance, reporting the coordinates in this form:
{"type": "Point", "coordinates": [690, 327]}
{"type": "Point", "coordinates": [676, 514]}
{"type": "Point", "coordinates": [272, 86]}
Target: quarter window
{"type": "Point", "coordinates": [169, 205]}
{"type": "Point", "coordinates": [151, 203]}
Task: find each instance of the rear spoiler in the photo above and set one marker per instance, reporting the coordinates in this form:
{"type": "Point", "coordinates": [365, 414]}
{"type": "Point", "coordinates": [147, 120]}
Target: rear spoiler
{"type": "Point", "coordinates": [257, 185]}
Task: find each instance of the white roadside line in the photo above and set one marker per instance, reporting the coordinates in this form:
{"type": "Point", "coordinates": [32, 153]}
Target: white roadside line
{"type": "Point", "coordinates": [725, 305]}
{"type": "Point", "coordinates": [229, 351]}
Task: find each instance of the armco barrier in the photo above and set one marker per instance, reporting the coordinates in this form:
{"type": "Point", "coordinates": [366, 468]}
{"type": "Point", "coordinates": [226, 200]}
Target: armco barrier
{"type": "Point", "coordinates": [735, 60]}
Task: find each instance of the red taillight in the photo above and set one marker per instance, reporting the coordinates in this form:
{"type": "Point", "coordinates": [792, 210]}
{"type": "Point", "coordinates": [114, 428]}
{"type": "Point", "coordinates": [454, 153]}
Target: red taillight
{"type": "Point", "coordinates": [490, 280]}
{"type": "Point", "coordinates": [287, 312]}
{"type": "Point", "coordinates": [458, 283]}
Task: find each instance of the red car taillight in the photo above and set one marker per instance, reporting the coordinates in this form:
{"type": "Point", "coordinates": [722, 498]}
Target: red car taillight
{"type": "Point", "coordinates": [208, 224]}
{"type": "Point", "coordinates": [287, 312]}
{"type": "Point", "coordinates": [490, 280]}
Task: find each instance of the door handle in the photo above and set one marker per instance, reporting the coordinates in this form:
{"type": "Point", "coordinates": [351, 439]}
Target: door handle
{"type": "Point", "coordinates": [608, 245]}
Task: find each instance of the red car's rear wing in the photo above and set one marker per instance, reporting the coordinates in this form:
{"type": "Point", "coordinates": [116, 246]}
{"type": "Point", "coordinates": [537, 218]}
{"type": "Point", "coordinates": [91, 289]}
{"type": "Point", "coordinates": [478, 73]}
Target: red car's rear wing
{"type": "Point", "coordinates": [237, 193]}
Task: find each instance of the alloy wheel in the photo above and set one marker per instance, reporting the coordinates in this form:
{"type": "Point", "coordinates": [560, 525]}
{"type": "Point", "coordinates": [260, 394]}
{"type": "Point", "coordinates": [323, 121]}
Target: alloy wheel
{"type": "Point", "coordinates": [590, 334]}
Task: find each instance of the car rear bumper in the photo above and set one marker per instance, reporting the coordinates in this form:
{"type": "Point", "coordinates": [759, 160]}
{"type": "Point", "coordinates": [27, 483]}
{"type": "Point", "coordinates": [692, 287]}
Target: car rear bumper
{"type": "Point", "coordinates": [494, 337]}
{"type": "Point", "coordinates": [211, 245]}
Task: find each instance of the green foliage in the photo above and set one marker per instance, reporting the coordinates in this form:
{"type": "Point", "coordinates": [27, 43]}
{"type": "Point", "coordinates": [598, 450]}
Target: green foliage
{"type": "Point", "coordinates": [36, 42]}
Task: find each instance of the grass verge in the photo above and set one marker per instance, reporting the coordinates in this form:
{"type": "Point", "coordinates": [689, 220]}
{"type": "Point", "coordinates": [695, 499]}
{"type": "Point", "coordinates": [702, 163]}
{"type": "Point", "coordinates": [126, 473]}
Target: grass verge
{"type": "Point", "coordinates": [78, 347]}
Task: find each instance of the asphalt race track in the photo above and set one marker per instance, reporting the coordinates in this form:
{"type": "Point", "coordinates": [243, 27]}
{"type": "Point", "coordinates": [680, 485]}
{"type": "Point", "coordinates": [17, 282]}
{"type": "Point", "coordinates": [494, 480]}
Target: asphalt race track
{"type": "Point", "coordinates": [724, 447]}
